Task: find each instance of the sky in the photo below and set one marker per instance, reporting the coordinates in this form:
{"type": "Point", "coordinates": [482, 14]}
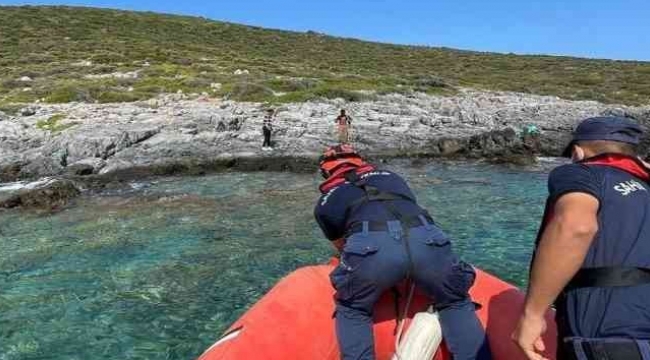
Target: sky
{"type": "Point", "coordinates": [611, 29]}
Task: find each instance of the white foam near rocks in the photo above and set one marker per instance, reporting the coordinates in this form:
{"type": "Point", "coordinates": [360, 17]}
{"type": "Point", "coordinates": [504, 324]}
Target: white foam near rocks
{"type": "Point", "coordinates": [25, 185]}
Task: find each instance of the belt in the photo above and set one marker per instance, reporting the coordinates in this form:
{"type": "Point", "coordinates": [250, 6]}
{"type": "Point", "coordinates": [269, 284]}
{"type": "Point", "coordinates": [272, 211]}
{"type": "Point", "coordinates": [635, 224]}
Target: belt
{"type": "Point", "coordinates": [407, 222]}
{"type": "Point", "coordinates": [608, 349]}
{"type": "Point", "coordinates": [613, 276]}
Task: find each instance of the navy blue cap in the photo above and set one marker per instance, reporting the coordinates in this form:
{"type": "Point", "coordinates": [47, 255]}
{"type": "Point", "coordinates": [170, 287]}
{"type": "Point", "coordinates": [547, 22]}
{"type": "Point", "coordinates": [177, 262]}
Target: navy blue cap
{"type": "Point", "coordinates": [608, 128]}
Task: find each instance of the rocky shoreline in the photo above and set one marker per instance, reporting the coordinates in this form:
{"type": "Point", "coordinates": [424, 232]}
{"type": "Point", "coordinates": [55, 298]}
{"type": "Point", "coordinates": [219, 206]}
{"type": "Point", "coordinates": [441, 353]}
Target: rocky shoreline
{"type": "Point", "coordinates": [99, 144]}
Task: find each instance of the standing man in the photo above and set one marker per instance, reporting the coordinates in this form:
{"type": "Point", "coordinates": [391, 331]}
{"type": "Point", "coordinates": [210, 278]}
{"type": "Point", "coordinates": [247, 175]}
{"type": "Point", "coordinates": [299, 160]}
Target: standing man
{"type": "Point", "coordinates": [267, 128]}
{"type": "Point", "coordinates": [343, 123]}
{"type": "Point", "coordinates": [372, 218]}
{"type": "Point", "coordinates": [592, 256]}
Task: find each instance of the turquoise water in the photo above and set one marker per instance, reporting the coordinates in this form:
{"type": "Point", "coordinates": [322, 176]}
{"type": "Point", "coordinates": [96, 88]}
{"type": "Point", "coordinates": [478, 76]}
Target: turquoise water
{"type": "Point", "coordinates": [159, 272]}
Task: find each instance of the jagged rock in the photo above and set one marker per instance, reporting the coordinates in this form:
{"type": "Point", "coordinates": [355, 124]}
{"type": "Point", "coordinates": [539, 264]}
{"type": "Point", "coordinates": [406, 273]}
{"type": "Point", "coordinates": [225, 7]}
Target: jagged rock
{"type": "Point", "coordinates": [10, 202]}
{"type": "Point", "coordinates": [450, 146]}
{"type": "Point", "coordinates": [28, 111]}
{"type": "Point", "coordinates": [61, 156]}
{"type": "Point", "coordinates": [189, 131]}
{"type": "Point", "coordinates": [80, 170]}
{"type": "Point", "coordinates": [171, 130]}
{"type": "Point", "coordinates": [86, 166]}
{"type": "Point", "coordinates": [10, 172]}
{"type": "Point", "coordinates": [42, 166]}
{"type": "Point", "coordinates": [116, 165]}
{"type": "Point", "coordinates": [101, 141]}
{"type": "Point", "coordinates": [498, 142]}
{"type": "Point", "coordinates": [617, 112]}
{"type": "Point", "coordinates": [554, 142]}
{"type": "Point", "coordinates": [235, 124]}
{"type": "Point", "coordinates": [428, 121]}
{"type": "Point", "coordinates": [51, 194]}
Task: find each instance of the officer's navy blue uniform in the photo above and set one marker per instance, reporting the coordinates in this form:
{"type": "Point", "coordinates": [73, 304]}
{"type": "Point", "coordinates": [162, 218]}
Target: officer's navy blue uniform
{"type": "Point", "coordinates": [374, 259]}
{"type": "Point", "coordinates": [620, 184]}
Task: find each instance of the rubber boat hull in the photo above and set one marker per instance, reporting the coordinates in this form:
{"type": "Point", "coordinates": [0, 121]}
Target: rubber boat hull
{"type": "Point", "coordinates": [294, 321]}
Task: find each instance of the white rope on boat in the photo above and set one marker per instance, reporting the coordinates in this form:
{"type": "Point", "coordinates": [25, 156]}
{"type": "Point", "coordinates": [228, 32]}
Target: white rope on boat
{"type": "Point", "coordinates": [423, 336]}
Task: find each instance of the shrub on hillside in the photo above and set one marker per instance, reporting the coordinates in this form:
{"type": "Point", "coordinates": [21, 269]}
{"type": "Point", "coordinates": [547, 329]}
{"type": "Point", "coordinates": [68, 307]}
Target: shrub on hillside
{"type": "Point", "coordinates": [295, 97]}
{"type": "Point", "coordinates": [196, 84]}
{"type": "Point", "coordinates": [119, 96]}
{"type": "Point", "coordinates": [19, 96]}
{"type": "Point", "coordinates": [11, 109]}
{"type": "Point", "coordinates": [430, 82]}
{"type": "Point", "coordinates": [12, 84]}
{"type": "Point", "coordinates": [292, 84]}
{"type": "Point", "coordinates": [103, 69]}
{"type": "Point", "coordinates": [36, 58]}
{"type": "Point", "coordinates": [67, 94]}
{"type": "Point", "coordinates": [182, 61]}
{"type": "Point", "coordinates": [246, 91]}
{"type": "Point", "coordinates": [347, 95]}
{"type": "Point", "coordinates": [106, 57]}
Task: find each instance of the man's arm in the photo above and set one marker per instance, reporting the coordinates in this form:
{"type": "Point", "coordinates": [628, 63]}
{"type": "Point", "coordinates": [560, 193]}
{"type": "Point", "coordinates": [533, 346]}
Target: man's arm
{"type": "Point", "coordinates": [330, 225]}
{"type": "Point", "coordinates": [560, 254]}
{"type": "Point", "coordinates": [562, 250]}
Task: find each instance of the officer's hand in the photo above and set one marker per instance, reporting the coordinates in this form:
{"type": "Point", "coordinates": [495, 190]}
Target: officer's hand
{"type": "Point", "coordinates": [528, 336]}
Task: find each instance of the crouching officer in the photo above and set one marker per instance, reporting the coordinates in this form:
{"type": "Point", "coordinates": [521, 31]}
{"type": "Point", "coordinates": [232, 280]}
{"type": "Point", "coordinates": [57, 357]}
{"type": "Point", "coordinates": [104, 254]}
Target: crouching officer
{"type": "Point", "coordinates": [373, 219]}
{"type": "Point", "coordinates": [593, 250]}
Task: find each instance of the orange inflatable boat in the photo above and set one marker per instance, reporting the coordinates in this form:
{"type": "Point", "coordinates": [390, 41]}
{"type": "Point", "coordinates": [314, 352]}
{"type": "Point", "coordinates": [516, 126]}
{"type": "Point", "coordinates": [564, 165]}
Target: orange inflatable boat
{"type": "Point", "coordinates": [294, 321]}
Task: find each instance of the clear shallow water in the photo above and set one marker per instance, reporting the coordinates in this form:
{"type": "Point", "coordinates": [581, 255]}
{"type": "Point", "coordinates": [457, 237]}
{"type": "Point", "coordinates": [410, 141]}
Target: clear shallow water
{"type": "Point", "coordinates": [159, 272]}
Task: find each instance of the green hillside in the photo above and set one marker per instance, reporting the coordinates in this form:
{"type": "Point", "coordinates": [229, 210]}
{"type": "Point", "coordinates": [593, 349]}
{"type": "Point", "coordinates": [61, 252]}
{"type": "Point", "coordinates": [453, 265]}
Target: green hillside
{"type": "Point", "coordinates": [65, 51]}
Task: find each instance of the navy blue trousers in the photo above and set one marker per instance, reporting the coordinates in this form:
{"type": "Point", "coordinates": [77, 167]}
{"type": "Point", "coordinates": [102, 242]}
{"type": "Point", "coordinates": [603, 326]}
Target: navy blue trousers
{"type": "Point", "coordinates": [373, 262]}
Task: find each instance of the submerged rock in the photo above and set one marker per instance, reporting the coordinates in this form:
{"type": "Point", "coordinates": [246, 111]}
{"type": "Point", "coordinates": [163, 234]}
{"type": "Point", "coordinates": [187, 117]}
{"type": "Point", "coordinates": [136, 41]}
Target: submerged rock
{"type": "Point", "coordinates": [10, 172]}
{"type": "Point", "coordinates": [48, 195]}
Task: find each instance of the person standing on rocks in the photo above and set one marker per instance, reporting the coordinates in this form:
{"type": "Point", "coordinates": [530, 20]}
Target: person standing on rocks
{"type": "Point", "coordinates": [267, 129]}
{"type": "Point", "coordinates": [592, 256]}
{"type": "Point", "coordinates": [343, 122]}
{"type": "Point", "coordinates": [372, 218]}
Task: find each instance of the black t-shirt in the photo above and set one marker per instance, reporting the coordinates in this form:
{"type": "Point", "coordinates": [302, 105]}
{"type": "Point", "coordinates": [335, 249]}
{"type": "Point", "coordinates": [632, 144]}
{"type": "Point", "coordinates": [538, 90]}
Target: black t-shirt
{"type": "Point", "coordinates": [268, 123]}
